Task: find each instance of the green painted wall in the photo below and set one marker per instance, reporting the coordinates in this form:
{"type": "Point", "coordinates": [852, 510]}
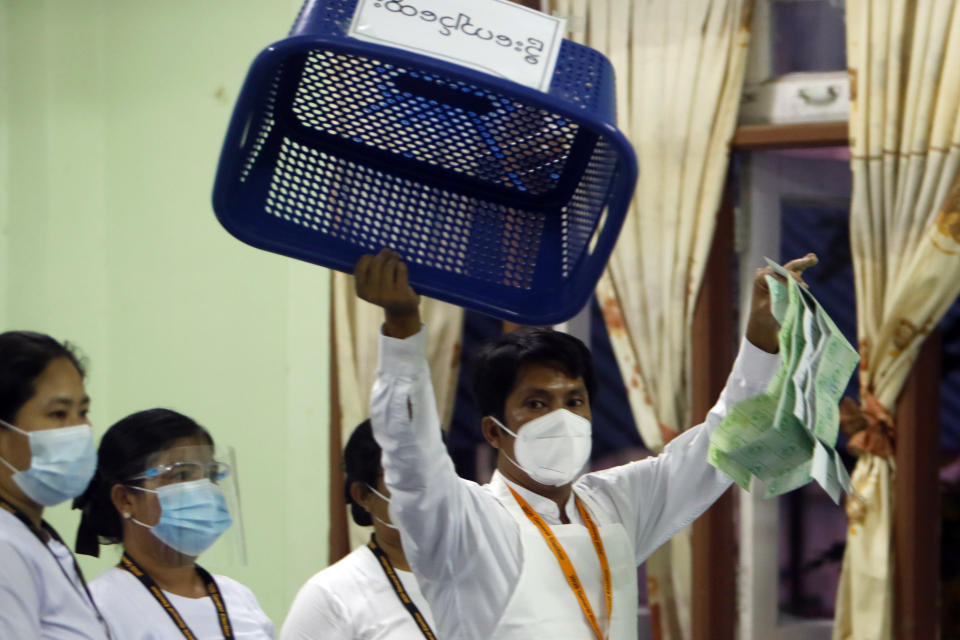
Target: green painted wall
{"type": "Point", "coordinates": [111, 117]}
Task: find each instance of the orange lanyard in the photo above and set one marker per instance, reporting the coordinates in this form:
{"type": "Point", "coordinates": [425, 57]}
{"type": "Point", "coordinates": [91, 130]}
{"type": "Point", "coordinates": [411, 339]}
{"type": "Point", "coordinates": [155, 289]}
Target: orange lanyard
{"type": "Point", "coordinates": [568, 570]}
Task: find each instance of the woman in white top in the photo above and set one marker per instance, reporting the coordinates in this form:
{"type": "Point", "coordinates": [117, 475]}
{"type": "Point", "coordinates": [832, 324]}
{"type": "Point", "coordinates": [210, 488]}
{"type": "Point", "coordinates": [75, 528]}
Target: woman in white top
{"type": "Point", "coordinates": [46, 457]}
{"type": "Point", "coordinates": [371, 593]}
{"type": "Point", "coordinates": [156, 490]}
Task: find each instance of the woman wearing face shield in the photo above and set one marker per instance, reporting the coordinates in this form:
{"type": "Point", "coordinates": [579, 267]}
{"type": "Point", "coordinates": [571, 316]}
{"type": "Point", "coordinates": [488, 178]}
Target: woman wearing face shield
{"type": "Point", "coordinates": [46, 457]}
{"type": "Point", "coordinates": [157, 492]}
{"type": "Point", "coordinates": [371, 594]}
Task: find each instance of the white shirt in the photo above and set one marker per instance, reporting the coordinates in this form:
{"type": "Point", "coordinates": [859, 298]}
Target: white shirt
{"type": "Point", "coordinates": [134, 614]}
{"type": "Point", "coordinates": [462, 543]}
{"type": "Point", "coordinates": [353, 600]}
{"type": "Point", "coordinates": [543, 605]}
{"type": "Point", "coordinates": [41, 595]}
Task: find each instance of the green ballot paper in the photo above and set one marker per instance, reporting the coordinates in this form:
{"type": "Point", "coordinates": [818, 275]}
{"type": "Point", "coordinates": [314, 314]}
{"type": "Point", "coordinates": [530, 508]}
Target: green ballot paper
{"type": "Point", "coordinates": [787, 435]}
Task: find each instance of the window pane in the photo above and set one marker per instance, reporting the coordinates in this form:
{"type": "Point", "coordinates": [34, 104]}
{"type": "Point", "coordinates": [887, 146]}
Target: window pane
{"type": "Point", "coordinates": [808, 35]}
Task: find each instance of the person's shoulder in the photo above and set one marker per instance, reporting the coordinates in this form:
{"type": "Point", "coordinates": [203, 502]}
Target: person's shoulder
{"type": "Point", "coordinates": [231, 587]}
{"type": "Point", "coordinates": [111, 581]}
{"type": "Point", "coordinates": [235, 591]}
{"type": "Point", "coordinates": [350, 572]}
{"type": "Point", "coordinates": [334, 601]}
{"type": "Point", "coordinates": [611, 495]}
{"type": "Point", "coordinates": [120, 598]}
{"type": "Point", "coordinates": [21, 550]}
{"type": "Point", "coordinates": [15, 534]}
{"type": "Point", "coordinates": [341, 592]}
{"type": "Point", "coordinates": [20, 560]}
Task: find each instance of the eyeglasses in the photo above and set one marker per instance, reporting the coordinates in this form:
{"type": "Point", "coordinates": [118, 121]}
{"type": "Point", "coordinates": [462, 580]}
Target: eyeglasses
{"type": "Point", "coordinates": [185, 471]}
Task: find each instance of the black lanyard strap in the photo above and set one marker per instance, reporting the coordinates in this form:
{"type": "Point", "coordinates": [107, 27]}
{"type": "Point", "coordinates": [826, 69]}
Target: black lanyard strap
{"type": "Point", "coordinates": [394, 581]}
{"type": "Point", "coordinates": [209, 585]}
{"type": "Point", "coordinates": [45, 528]}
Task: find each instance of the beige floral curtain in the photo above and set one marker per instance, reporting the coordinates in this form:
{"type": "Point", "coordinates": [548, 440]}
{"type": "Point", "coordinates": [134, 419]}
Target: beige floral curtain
{"type": "Point", "coordinates": [356, 327]}
{"type": "Point", "coordinates": [904, 60]}
{"type": "Point", "coordinates": [680, 68]}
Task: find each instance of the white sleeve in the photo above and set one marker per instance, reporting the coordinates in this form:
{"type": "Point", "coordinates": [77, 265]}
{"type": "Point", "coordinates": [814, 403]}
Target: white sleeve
{"type": "Point", "coordinates": [657, 497]}
{"type": "Point", "coordinates": [461, 543]}
{"type": "Point", "coordinates": [317, 614]}
{"type": "Point", "coordinates": [19, 599]}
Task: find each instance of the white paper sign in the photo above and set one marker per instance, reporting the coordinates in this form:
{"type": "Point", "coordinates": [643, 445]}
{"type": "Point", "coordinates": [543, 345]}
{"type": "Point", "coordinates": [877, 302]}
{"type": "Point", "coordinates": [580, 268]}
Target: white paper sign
{"type": "Point", "coordinates": [497, 37]}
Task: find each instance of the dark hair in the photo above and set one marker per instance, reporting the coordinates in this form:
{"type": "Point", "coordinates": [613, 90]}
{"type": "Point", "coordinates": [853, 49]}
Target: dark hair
{"type": "Point", "coordinates": [494, 365]}
{"type": "Point", "coordinates": [123, 451]}
{"type": "Point", "coordinates": [23, 357]}
{"type": "Point", "coordinates": [361, 462]}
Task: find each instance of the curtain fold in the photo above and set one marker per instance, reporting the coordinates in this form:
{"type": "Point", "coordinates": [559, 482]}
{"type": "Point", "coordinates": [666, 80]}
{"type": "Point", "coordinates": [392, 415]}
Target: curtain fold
{"type": "Point", "coordinates": [904, 60]}
{"type": "Point", "coordinates": [357, 327]}
{"type": "Point", "coordinates": [680, 69]}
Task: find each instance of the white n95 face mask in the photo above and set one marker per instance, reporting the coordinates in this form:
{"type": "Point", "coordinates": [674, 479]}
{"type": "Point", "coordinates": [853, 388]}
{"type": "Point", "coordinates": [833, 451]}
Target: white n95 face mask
{"type": "Point", "coordinates": [553, 448]}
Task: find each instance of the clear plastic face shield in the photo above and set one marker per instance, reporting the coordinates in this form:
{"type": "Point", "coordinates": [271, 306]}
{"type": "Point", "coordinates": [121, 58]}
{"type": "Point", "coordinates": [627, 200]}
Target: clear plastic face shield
{"type": "Point", "coordinates": [197, 501]}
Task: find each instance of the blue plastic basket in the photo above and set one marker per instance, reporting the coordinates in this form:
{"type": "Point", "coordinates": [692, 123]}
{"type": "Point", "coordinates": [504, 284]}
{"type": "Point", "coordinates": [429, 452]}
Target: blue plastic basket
{"type": "Point", "coordinates": [500, 198]}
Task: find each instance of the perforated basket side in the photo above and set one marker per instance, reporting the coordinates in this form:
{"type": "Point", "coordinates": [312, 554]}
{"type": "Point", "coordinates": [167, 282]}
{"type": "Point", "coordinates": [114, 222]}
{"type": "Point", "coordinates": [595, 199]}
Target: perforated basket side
{"type": "Point", "coordinates": [583, 215]}
{"type": "Point", "coordinates": [363, 209]}
{"type": "Point", "coordinates": [437, 122]}
{"type": "Point", "coordinates": [492, 192]}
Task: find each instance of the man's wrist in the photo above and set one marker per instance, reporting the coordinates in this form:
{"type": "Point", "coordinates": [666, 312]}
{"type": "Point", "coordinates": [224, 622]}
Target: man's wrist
{"type": "Point", "coordinates": [401, 325]}
{"type": "Point", "coordinates": [763, 337]}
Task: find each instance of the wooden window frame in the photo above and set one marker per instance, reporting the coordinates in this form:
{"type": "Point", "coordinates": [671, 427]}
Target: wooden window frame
{"type": "Point", "coordinates": [916, 508]}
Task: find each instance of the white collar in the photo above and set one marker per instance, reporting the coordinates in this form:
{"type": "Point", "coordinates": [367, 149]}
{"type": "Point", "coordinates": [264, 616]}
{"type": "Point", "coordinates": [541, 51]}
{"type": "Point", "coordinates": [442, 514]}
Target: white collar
{"type": "Point", "coordinates": [546, 507]}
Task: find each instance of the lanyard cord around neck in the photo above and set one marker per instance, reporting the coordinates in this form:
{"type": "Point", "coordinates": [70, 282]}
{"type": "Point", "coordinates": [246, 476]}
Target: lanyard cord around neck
{"type": "Point", "coordinates": [394, 581]}
{"type": "Point", "coordinates": [46, 528]}
{"type": "Point", "coordinates": [567, 566]}
{"type": "Point", "coordinates": [209, 584]}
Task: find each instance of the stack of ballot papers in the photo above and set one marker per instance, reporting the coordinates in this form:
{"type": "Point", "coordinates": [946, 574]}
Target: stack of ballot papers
{"type": "Point", "coordinates": [786, 436]}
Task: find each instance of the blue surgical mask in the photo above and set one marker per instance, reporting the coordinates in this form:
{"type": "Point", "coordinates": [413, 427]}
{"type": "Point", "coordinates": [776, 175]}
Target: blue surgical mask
{"type": "Point", "coordinates": [192, 516]}
{"type": "Point", "coordinates": [62, 461]}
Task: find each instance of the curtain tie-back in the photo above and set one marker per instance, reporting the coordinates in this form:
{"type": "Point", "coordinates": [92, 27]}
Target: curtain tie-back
{"type": "Point", "coordinates": [868, 424]}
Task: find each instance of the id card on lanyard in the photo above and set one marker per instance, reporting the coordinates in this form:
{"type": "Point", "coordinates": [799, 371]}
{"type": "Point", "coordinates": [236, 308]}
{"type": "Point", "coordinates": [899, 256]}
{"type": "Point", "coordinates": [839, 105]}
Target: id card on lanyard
{"type": "Point", "coordinates": [567, 566]}
{"type": "Point", "coordinates": [209, 585]}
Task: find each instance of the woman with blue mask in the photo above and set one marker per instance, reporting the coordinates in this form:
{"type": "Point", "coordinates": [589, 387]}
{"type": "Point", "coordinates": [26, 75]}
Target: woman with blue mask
{"type": "Point", "coordinates": [46, 457]}
{"type": "Point", "coordinates": [370, 594]}
{"type": "Point", "coordinates": [157, 491]}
